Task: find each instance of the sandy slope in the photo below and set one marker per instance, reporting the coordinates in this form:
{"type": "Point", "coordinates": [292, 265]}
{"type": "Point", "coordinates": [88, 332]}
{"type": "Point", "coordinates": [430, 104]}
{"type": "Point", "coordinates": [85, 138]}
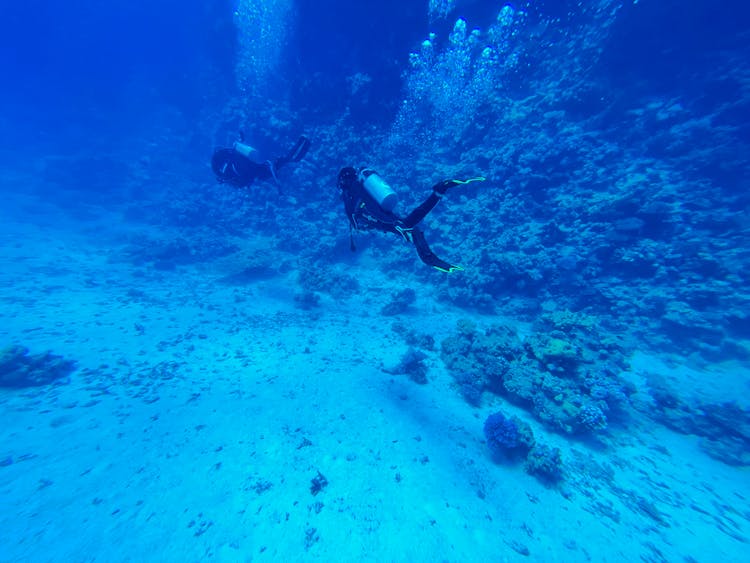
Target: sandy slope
{"type": "Point", "coordinates": [201, 412]}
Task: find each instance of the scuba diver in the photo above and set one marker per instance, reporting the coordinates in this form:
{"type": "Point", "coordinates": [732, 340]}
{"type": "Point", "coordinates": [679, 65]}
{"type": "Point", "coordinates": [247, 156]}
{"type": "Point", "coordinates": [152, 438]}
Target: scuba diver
{"type": "Point", "coordinates": [369, 204]}
{"type": "Point", "coordinates": [235, 166]}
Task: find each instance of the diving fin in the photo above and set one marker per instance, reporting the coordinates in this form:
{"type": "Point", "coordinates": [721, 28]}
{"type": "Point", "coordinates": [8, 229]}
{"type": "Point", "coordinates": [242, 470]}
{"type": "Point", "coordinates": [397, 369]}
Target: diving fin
{"type": "Point", "coordinates": [447, 268]}
{"type": "Point", "coordinates": [442, 187]}
{"type": "Point", "coordinates": [299, 150]}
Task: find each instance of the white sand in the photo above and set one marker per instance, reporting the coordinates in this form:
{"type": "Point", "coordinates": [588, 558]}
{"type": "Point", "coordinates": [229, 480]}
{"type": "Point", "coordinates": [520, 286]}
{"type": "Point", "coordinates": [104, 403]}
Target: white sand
{"type": "Point", "coordinates": [212, 457]}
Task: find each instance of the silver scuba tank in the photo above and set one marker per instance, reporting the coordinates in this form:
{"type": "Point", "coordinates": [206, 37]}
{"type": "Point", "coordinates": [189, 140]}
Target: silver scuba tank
{"type": "Point", "coordinates": [381, 192]}
{"type": "Point", "coordinates": [243, 149]}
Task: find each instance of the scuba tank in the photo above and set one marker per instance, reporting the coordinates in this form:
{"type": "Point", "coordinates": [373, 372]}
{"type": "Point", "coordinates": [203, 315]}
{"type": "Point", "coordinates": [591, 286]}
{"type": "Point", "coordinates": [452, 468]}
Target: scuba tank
{"type": "Point", "coordinates": [243, 149]}
{"type": "Point", "coordinates": [381, 192]}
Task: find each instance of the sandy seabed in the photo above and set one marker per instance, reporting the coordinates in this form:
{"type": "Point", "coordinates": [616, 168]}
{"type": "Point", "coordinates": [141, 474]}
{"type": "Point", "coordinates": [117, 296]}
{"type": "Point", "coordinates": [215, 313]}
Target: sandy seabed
{"type": "Point", "coordinates": [201, 412]}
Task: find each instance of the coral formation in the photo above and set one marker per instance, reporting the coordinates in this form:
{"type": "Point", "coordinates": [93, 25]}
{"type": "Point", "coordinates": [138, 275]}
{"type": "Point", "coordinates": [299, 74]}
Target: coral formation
{"type": "Point", "coordinates": [724, 428]}
{"type": "Point", "coordinates": [318, 483]}
{"type": "Point", "coordinates": [470, 386]}
{"type": "Point", "coordinates": [512, 438]}
{"type": "Point", "coordinates": [306, 300]}
{"type": "Point", "coordinates": [413, 337]}
{"type": "Point", "coordinates": [400, 302]}
{"type": "Point", "coordinates": [317, 279]}
{"type": "Point", "coordinates": [568, 379]}
{"type": "Point", "coordinates": [20, 369]}
{"type": "Point", "coordinates": [591, 417]}
{"type": "Point", "coordinates": [508, 436]}
{"type": "Point", "coordinates": [412, 364]}
{"type": "Point", "coordinates": [544, 462]}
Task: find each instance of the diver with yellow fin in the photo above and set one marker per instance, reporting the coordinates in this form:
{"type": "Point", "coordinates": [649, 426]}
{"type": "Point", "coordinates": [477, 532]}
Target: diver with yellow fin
{"type": "Point", "coordinates": [369, 202]}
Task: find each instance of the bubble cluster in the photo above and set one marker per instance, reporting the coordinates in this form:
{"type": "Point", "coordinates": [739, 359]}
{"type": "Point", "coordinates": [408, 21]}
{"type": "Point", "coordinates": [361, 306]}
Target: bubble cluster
{"type": "Point", "coordinates": [438, 9]}
{"type": "Point", "coordinates": [262, 30]}
{"type": "Point", "coordinates": [447, 84]}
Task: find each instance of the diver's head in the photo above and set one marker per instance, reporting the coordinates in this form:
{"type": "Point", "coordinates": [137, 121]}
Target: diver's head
{"type": "Point", "coordinates": [347, 177]}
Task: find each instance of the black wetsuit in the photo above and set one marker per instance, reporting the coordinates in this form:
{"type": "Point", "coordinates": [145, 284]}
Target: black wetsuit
{"type": "Point", "coordinates": [232, 167]}
{"type": "Point", "coordinates": [365, 214]}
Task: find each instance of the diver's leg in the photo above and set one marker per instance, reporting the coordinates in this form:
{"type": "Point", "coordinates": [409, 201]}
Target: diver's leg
{"type": "Point", "coordinates": [297, 153]}
{"type": "Point", "coordinates": [427, 256]}
{"type": "Point", "coordinates": [263, 170]}
{"type": "Point", "coordinates": [421, 211]}
{"type": "Point", "coordinates": [438, 190]}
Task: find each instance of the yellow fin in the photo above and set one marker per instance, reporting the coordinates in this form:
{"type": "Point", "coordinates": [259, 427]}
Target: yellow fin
{"type": "Point", "coordinates": [477, 179]}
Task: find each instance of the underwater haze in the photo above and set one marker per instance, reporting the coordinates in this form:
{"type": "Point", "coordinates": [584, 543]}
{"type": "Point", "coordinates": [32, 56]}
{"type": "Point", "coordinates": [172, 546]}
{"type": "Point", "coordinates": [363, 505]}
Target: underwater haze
{"type": "Point", "coordinates": [216, 347]}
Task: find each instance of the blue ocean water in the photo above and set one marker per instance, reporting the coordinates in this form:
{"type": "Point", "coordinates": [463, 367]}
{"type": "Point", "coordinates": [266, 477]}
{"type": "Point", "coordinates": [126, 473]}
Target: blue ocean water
{"type": "Point", "coordinates": [192, 370]}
